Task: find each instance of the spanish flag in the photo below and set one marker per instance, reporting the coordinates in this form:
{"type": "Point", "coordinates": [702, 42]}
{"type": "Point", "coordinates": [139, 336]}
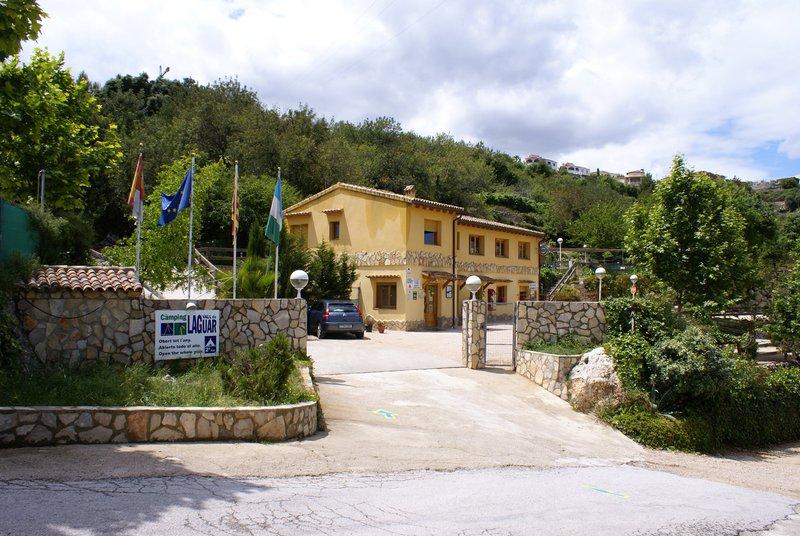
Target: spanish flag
{"type": "Point", "coordinates": [136, 197]}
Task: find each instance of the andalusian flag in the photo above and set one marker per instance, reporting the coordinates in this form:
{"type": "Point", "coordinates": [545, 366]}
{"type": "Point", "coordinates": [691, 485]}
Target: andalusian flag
{"type": "Point", "coordinates": [273, 229]}
{"type": "Point", "coordinates": [136, 197]}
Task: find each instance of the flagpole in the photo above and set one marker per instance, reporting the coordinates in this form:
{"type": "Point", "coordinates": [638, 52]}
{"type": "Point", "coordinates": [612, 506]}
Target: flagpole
{"type": "Point", "coordinates": [277, 245]}
{"type": "Point", "coordinates": [191, 222]}
{"type": "Point", "coordinates": [235, 222]}
{"type": "Point", "coordinates": [139, 218]}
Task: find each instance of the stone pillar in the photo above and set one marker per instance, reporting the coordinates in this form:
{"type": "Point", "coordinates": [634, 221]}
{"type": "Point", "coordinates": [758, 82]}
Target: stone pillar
{"type": "Point", "coordinates": [473, 334]}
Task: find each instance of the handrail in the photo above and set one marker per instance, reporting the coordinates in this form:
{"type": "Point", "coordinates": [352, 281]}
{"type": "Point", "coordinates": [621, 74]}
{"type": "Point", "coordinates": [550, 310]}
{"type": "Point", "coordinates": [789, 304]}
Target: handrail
{"type": "Point", "coordinates": [563, 281]}
{"type": "Point", "coordinates": [208, 264]}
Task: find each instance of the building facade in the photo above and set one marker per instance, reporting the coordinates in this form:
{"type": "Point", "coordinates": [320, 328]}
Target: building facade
{"type": "Point", "coordinates": [413, 255]}
{"type": "Point", "coordinates": [536, 159]}
{"type": "Point", "coordinates": [573, 169]}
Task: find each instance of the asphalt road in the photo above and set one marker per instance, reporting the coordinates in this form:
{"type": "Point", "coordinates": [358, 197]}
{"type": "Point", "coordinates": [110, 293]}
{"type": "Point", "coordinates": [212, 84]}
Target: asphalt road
{"type": "Point", "coordinates": [596, 500]}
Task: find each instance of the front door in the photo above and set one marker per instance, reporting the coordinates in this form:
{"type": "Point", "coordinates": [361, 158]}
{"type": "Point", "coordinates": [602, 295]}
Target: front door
{"type": "Point", "coordinates": [431, 305]}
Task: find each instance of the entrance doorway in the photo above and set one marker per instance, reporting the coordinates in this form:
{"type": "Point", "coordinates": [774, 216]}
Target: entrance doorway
{"type": "Point", "coordinates": [431, 305]}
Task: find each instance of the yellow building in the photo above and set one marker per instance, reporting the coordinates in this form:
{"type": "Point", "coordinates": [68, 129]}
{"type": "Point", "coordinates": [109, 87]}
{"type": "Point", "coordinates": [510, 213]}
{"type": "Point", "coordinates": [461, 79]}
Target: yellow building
{"type": "Point", "coordinates": [409, 251]}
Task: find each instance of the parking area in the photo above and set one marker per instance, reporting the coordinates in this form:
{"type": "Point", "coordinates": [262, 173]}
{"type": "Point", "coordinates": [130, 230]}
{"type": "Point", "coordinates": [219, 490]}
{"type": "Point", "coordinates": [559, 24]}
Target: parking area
{"type": "Point", "coordinates": [383, 352]}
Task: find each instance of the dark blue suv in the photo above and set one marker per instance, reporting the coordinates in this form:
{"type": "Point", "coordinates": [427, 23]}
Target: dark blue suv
{"type": "Point", "coordinates": [335, 316]}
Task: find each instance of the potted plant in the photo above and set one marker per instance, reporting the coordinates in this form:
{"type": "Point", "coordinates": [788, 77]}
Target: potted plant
{"type": "Point", "coordinates": [381, 326]}
{"type": "Point", "coordinates": [369, 321]}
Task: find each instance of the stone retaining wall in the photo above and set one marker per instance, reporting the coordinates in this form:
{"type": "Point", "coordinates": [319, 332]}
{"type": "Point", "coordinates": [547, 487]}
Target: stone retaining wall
{"type": "Point", "coordinates": [65, 327]}
{"type": "Point", "coordinates": [548, 370]}
{"type": "Point", "coordinates": [48, 425]}
{"type": "Point", "coordinates": [548, 321]}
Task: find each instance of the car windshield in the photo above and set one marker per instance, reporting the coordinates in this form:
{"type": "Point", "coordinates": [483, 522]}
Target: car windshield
{"type": "Point", "coordinates": [342, 308]}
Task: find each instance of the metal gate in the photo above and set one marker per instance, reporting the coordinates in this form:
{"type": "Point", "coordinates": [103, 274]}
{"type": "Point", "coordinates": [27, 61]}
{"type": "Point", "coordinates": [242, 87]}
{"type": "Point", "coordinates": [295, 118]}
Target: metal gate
{"type": "Point", "coordinates": [499, 344]}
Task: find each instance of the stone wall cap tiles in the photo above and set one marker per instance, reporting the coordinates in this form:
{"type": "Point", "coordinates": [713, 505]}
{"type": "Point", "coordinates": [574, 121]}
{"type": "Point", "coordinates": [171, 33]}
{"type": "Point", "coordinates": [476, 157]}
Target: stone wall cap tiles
{"type": "Point", "coordinates": [84, 278]}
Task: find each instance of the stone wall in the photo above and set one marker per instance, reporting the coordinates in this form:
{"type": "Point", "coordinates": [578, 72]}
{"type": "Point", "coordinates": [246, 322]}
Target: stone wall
{"type": "Point", "coordinates": [548, 370]}
{"type": "Point", "coordinates": [473, 335]}
{"type": "Point", "coordinates": [69, 327]}
{"type": "Point", "coordinates": [548, 321]}
{"type": "Point", "coordinates": [46, 425]}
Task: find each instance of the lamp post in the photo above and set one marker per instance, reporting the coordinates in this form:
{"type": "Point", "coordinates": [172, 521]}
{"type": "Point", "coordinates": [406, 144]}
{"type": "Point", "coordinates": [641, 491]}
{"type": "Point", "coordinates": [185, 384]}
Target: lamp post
{"type": "Point", "coordinates": [299, 280]}
{"type": "Point", "coordinates": [634, 278]}
{"type": "Point", "coordinates": [585, 254]}
{"type": "Point", "coordinates": [473, 284]}
{"type": "Point", "coordinates": [599, 273]}
{"type": "Point", "coordinates": [560, 241]}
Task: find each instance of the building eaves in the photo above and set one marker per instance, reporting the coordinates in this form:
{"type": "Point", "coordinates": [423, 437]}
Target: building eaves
{"type": "Point", "coordinates": [497, 226]}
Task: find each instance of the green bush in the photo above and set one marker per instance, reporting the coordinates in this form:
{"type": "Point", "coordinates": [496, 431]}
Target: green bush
{"type": "Point", "coordinates": [757, 407]}
{"type": "Point", "coordinates": [548, 277]}
{"type": "Point", "coordinates": [15, 270]}
{"type": "Point", "coordinates": [566, 345]}
{"type": "Point", "coordinates": [784, 325]}
{"type": "Point", "coordinates": [99, 384]}
{"type": "Point", "coordinates": [262, 373]}
{"type": "Point", "coordinates": [567, 293]}
{"type": "Point", "coordinates": [654, 318]}
{"type": "Point", "coordinates": [10, 349]}
{"type": "Point", "coordinates": [631, 353]}
{"type": "Point", "coordinates": [688, 370]}
{"type": "Point", "coordinates": [637, 419]}
{"type": "Point", "coordinates": [62, 240]}
{"type": "Point", "coordinates": [718, 400]}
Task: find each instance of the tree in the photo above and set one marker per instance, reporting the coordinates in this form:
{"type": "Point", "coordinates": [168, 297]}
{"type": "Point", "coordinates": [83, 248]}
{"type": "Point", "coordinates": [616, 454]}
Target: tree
{"type": "Point", "coordinates": [689, 235]}
{"type": "Point", "coordinates": [51, 121]}
{"type": "Point", "coordinates": [20, 20]}
{"type": "Point", "coordinates": [784, 325]}
{"type": "Point", "coordinates": [329, 276]}
{"type": "Point", "coordinates": [601, 226]}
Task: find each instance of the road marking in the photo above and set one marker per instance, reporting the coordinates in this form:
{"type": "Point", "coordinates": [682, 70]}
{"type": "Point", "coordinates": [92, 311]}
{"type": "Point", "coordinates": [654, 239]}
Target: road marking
{"type": "Point", "coordinates": [601, 490]}
{"type": "Point", "coordinates": [386, 414]}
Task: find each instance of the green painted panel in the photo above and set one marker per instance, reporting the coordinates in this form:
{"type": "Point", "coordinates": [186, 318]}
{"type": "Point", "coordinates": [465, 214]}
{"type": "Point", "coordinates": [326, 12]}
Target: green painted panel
{"type": "Point", "coordinates": [16, 233]}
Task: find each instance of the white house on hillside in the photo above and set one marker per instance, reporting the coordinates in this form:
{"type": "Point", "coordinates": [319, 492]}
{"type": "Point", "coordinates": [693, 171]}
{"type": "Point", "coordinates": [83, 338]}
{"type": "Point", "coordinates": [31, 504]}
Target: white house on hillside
{"type": "Point", "coordinates": [575, 170]}
{"type": "Point", "coordinates": [536, 159]}
{"type": "Point", "coordinates": [634, 178]}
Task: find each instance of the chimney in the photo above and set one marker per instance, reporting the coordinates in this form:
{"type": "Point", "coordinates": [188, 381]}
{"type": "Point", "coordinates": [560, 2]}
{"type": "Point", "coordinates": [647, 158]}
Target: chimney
{"type": "Point", "coordinates": [410, 191]}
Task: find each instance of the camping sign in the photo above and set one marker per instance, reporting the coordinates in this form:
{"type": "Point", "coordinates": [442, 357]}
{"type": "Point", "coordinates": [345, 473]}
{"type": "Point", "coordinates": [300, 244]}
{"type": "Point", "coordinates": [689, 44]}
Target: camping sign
{"type": "Point", "coordinates": [190, 333]}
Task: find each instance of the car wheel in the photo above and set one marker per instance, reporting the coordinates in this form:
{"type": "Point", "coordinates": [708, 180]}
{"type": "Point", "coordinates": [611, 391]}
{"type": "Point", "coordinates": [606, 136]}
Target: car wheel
{"type": "Point", "coordinates": [320, 333]}
{"type": "Point", "coordinates": [359, 335]}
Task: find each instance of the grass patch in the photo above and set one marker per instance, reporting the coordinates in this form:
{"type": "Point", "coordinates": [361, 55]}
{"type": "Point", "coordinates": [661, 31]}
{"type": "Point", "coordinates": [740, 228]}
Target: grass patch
{"type": "Point", "coordinates": [267, 375]}
{"type": "Point", "coordinates": [566, 345]}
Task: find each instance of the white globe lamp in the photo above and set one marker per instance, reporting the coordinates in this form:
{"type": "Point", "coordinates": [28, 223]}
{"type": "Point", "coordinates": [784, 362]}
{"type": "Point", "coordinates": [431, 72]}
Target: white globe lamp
{"type": "Point", "coordinates": [299, 280]}
{"type": "Point", "coordinates": [473, 284]}
{"type": "Point", "coordinates": [599, 273]}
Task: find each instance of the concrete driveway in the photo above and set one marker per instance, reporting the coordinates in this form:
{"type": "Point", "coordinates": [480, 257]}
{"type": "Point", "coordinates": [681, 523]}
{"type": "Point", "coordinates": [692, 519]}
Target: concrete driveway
{"type": "Point", "coordinates": [405, 400]}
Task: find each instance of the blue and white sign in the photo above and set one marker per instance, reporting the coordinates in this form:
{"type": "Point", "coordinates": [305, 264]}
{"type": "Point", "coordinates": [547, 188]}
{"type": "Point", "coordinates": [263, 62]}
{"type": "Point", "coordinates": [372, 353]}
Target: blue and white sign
{"type": "Point", "coordinates": [182, 334]}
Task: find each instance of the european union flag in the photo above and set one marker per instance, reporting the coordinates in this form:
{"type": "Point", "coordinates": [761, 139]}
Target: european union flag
{"type": "Point", "coordinates": [172, 204]}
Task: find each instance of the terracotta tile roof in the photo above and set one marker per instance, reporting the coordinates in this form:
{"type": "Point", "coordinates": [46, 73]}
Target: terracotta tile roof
{"type": "Point", "coordinates": [98, 278]}
{"type": "Point", "coordinates": [489, 224]}
{"type": "Point", "coordinates": [378, 193]}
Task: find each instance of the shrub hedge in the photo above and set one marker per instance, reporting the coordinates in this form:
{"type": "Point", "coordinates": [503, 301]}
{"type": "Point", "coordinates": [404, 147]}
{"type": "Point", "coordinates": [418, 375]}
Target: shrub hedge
{"type": "Point", "coordinates": [716, 399]}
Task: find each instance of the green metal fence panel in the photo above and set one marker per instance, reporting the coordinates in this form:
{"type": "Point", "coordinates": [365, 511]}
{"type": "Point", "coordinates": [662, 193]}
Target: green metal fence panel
{"type": "Point", "coordinates": [16, 232]}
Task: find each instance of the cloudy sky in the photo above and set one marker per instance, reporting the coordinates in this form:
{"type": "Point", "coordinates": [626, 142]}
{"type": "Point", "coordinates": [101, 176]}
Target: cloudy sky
{"type": "Point", "coordinates": [614, 84]}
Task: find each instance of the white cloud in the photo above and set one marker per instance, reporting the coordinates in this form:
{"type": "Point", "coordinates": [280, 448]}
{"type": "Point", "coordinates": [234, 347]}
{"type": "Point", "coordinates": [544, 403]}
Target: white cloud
{"type": "Point", "coordinates": [617, 85]}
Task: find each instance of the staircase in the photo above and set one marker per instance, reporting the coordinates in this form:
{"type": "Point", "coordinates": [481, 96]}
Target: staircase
{"type": "Point", "coordinates": [563, 281]}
